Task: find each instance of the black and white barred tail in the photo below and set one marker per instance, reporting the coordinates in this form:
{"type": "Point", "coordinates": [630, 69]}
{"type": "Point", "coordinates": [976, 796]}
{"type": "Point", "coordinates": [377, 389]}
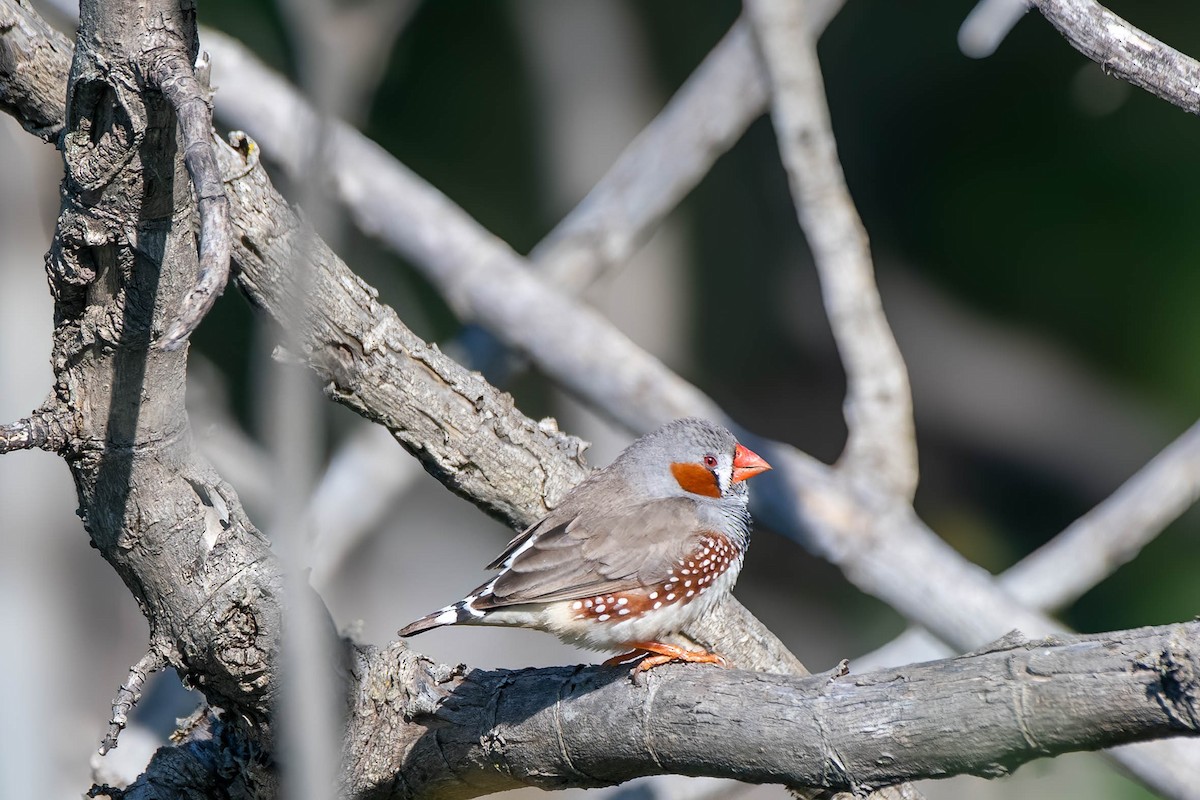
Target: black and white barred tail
{"type": "Point", "coordinates": [453, 614]}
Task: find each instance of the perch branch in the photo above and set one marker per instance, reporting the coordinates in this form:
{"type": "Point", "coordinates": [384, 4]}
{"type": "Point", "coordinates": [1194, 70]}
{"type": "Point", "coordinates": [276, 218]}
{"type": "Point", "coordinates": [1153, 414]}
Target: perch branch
{"type": "Point", "coordinates": [983, 714]}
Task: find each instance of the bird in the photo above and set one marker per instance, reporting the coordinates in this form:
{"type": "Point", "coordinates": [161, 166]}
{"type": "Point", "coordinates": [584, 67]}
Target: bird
{"type": "Point", "coordinates": [632, 555]}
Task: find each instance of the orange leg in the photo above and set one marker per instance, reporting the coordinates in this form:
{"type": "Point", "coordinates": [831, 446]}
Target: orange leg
{"type": "Point", "coordinates": [662, 654]}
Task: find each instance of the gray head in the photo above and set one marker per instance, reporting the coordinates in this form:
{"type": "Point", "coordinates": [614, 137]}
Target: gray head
{"type": "Point", "coordinates": [690, 457]}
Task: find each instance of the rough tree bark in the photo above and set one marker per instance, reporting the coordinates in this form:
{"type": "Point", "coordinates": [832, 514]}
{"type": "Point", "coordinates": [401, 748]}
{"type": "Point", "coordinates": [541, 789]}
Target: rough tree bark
{"type": "Point", "coordinates": [122, 260]}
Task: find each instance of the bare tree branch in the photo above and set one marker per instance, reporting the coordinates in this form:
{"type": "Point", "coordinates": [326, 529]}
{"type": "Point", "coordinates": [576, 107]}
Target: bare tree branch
{"type": "Point", "coordinates": [173, 74]}
{"type": "Point", "coordinates": [708, 114]}
{"type": "Point", "coordinates": [1125, 51]}
{"type": "Point", "coordinates": [987, 24]}
{"type": "Point", "coordinates": [31, 74]}
{"type": "Point", "coordinates": [881, 446]}
{"type": "Point", "coordinates": [128, 696]}
{"type": "Point", "coordinates": [983, 714]}
{"type": "Point", "coordinates": [1095, 545]}
{"type": "Point", "coordinates": [1114, 532]}
{"type": "Point", "coordinates": [45, 429]}
{"type": "Point", "coordinates": [834, 504]}
{"type": "Point", "coordinates": [585, 353]}
{"type": "Point", "coordinates": [362, 351]}
{"type": "Point", "coordinates": [461, 429]}
{"type": "Point", "coordinates": [122, 258]}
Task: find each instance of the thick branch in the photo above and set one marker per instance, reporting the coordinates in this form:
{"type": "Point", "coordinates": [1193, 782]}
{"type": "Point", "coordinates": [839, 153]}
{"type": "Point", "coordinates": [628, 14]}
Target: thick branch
{"type": "Point", "coordinates": [122, 257]}
{"type": "Point", "coordinates": [982, 714]}
{"type": "Point", "coordinates": [462, 429]}
{"type": "Point", "coordinates": [1125, 51]}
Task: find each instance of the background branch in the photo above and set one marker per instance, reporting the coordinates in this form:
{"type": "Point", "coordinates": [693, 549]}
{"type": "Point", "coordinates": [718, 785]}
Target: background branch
{"type": "Point", "coordinates": [881, 442]}
{"type": "Point", "coordinates": [1125, 51]}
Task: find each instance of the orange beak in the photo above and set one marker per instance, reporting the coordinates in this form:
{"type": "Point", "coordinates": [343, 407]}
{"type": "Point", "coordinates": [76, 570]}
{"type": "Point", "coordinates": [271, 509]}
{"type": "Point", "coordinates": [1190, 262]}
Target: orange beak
{"type": "Point", "coordinates": [747, 464]}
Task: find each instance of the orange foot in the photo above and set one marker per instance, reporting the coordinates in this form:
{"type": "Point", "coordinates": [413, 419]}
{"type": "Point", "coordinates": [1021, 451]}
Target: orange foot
{"type": "Point", "coordinates": [653, 654]}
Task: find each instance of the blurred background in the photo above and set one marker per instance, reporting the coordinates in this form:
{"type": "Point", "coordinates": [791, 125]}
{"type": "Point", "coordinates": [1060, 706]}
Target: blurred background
{"type": "Point", "coordinates": [1030, 232]}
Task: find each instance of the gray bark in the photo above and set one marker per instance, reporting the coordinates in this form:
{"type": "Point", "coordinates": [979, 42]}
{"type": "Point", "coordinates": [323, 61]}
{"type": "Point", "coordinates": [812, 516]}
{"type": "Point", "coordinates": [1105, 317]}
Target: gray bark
{"type": "Point", "coordinates": [122, 259]}
{"type": "Point", "coordinates": [984, 714]}
{"type": "Point", "coordinates": [1125, 51]}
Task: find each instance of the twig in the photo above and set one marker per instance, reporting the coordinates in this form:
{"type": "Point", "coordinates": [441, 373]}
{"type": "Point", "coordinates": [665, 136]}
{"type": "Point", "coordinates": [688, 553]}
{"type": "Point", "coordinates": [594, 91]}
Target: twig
{"type": "Point", "coordinates": [174, 75]}
{"type": "Point", "coordinates": [881, 445]}
{"type": "Point", "coordinates": [128, 696]}
{"type": "Point", "coordinates": [708, 114]}
{"type": "Point", "coordinates": [1125, 51]}
{"type": "Point", "coordinates": [1112, 533]}
{"type": "Point", "coordinates": [1088, 550]}
{"type": "Point", "coordinates": [44, 429]}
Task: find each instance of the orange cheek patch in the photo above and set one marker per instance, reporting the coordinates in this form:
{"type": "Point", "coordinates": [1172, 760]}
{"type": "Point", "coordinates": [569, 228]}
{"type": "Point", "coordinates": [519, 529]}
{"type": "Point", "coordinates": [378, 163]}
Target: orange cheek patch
{"type": "Point", "coordinates": [696, 479]}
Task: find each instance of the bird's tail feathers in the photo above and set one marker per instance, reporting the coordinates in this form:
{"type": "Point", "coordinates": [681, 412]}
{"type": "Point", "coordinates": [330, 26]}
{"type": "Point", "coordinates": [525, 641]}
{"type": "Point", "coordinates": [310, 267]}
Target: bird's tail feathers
{"type": "Point", "coordinates": [453, 614]}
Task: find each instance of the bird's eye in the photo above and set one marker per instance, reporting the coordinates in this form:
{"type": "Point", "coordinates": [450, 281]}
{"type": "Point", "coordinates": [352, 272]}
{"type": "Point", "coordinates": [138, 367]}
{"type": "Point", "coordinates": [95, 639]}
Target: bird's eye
{"type": "Point", "coordinates": [710, 461]}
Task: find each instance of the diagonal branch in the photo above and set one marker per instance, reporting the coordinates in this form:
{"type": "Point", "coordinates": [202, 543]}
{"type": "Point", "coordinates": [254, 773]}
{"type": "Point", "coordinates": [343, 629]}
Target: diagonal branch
{"type": "Point", "coordinates": [1090, 549]}
{"type": "Point", "coordinates": [1126, 51]}
{"type": "Point", "coordinates": [31, 75]}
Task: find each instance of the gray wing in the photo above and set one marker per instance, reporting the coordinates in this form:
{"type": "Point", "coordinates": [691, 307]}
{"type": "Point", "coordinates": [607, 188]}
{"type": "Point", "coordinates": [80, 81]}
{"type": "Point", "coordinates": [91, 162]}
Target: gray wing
{"type": "Point", "coordinates": [572, 559]}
